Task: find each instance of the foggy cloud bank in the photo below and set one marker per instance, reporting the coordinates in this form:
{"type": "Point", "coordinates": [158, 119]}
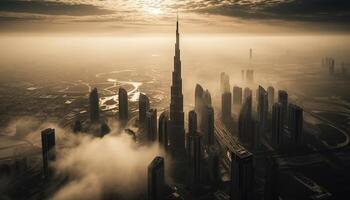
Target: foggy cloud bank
{"type": "Point", "coordinates": [97, 166]}
{"type": "Point", "coordinates": [94, 166]}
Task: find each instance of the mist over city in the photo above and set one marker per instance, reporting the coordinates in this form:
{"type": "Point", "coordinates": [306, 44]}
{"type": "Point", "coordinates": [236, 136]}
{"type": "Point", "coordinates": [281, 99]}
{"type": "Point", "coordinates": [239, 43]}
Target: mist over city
{"type": "Point", "coordinates": [166, 99]}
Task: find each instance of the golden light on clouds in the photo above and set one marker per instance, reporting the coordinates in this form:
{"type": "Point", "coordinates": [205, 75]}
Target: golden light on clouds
{"type": "Point", "coordinates": [154, 11]}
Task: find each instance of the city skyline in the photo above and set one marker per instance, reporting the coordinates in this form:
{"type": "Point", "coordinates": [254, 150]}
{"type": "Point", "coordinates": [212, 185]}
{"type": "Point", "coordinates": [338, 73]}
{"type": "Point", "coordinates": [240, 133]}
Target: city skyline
{"type": "Point", "coordinates": [218, 116]}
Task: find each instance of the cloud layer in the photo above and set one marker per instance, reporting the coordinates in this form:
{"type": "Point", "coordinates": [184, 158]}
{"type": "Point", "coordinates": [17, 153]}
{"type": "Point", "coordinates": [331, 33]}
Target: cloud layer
{"type": "Point", "coordinates": [127, 13]}
{"type": "Point", "coordinates": [104, 166]}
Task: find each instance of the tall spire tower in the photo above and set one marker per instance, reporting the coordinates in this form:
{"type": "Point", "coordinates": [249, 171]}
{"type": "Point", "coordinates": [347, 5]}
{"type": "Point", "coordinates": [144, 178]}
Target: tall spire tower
{"type": "Point", "coordinates": [177, 136]}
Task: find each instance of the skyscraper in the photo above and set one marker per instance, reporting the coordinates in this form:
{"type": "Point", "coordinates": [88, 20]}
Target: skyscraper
{"type": "Point", "coordinates": [198, 98]}
{"type": "Point", "coordinates": [295, 125]}
{"type": "Point", "coordinates": [247, 92]}
{"type": "Point", "coordinates": [208, 125]}
{"type": "Point", "coordinates": [271, 96]}
{"type": "Point", "coordinates": [48, 148]}
{"type": "Point", "coordinates": [226, 106]}
{"type": "Point", "coordinates": [277, 124]}
{"type": "Point", "coordinates": [224, 82]}
{"type": "Point", "coordinates": [271, 180]}
{"type": "Point", "coordinates": [123, 104]}
{"type": "Point", "coordinates": [263, 109]}
{"type": "Point", "coordinates": [245, 121]}
{"type": "Point", "coordinates": [256, 132]}
{"type": "Point", "coordinates": [283, 99]}
{"type": "Point", "coordinates": [143, 108]}
{"type": "Point", "coordinates": [194, 150]}
{"type": "Point", "coordinates": [242, 175]}
{"type": "Point", "coordinates": [177, 134]}
{"type": "Point", "coordinates": [213, 162]}
{"type": "Point", "coordinates": [207, 98]}
{"type": "Point", "coordinates": [151, 125]}
{"type": "Point", "coordinates": [94, 106]}
{"type": "Point", "coordinates": [237, 95]}
{"type": "Point", "coordinates": [163, 130]}
{"type": "Point", "coordinates": [156, 180]}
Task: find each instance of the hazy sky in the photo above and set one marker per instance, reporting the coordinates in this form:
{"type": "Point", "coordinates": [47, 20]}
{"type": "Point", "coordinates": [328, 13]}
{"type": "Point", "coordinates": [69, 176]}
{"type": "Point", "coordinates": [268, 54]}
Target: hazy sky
{"type": "Point", "coordinates": [157, 16]}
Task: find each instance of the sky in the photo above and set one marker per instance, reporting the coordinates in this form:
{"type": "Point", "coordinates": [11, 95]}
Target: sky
{"type": "Point", "coordinates": [128, 17]}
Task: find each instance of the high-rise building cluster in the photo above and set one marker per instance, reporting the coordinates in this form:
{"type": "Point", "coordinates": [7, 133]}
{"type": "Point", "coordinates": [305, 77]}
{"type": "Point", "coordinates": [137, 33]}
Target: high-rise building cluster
{"type": "Point", "coordinates": [277, 124]}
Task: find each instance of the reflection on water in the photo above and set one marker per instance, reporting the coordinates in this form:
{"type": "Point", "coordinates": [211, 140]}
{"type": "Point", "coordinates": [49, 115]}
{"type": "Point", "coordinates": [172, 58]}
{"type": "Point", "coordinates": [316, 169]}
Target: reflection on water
{"type": "Point", "coordinates": [111, 102]}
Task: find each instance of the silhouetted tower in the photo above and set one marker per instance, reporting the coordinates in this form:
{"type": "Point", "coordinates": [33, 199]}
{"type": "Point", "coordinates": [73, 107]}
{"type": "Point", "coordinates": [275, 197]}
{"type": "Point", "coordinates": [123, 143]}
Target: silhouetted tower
{"type": "Point", "coordinates": [271, 180]}
{"type": "Point", "coordinates": [295, 123]}
{"type": "Point", "coordinates": [250, 54]}
{"type": "Point", "coordinates": [271, 96]}
{"type": "Point", "coordinates": [163, 130]}
{"type": "Point", "coordinates": [263, 108]}
{"type": "Point", "coordinates": [177, 135]}
{"type": "Point", "coordinates": [208, 122]}
{"type": "Point", "coordinates": [198, 98]}
{"type": "Point", "coordinates": [226, 102]}
{"type": "Point", "coordinates": [237, 95]}
{"type": "Point", "coordinates": [245, 121]}
{"type": "Point", "coordinates": [48, 148]}
{"type": "Point", "coordinates": [151, 125]}
{"type": "Point", "coordinates": [242, 175]}
{"type": "Point", "coordinates": [94, 106]}
{"type": "Point", "coordinates": [207, 98]}
{"type": "Point", "coordinates": [247, 92]}
{"type": "Point", "coordinates": [283, 99]}
{"type": "Point", "coordinates": [194, 149]}
{"type": "Point", "coordinates": [213, 164]}
{"type": "Point", "coordinates": [277, 124]}
{"type": "Point", "coordinates": [143, 108]}
{"type": "Point", "coordinates": [256, 132]}
{"type": "Point", "coordinates": [224, 82]}
{"type": "Point", "coordinates": [123, 104]}
{"type": "Point", "coordinates": [156, 180]}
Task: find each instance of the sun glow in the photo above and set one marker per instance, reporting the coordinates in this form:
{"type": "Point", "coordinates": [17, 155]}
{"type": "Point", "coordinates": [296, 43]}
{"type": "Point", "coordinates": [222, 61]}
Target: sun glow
{"type": "Point", "coordinates": [154, 11]}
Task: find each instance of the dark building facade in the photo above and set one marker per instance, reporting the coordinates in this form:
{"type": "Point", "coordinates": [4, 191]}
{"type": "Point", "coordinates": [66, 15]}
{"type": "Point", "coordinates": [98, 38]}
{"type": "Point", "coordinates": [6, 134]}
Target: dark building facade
{"type": "Point", "coordinates": [242, 175]}
{"type": "Point", "coordinates": [143, 108]}
{"type": "Point", "coordinates": [48, 143]}
{"type": "Point", "coordinates": [123, 104]}
{"type": "Point", "coordinates": [263, 108]}
{"type": "Point", "coordinates": [271, 180]}
{"type": "Point", "coordinates": [295, 125]}
{"type": "Point", "coordinates": [177, 134]}
{"type": "Point", "coordinates": [277, 125]}
{"type": "Point", "coordinates": [194, 150]}
{"type": "Point", "coordinates": [151, 125]}
{"type": "Point", "coordinates": [198, 98]}
{"type": "Point", "coordinates": [213, 164]}
{"type": "Point", "coordinates": [283, 100]}
{"type": "Point", "coordinates": [163, 130]}
{"type": "Point", "coordinates": [245, 121]}
{"type": "Point", "coordinates": [271, 96]}
{"type": "Point", "coordinates": [156, 180]}
{"type": "Point", "coordinates": [94, 107]}
{"type": "Point", "coordinates": [257, 137]}
{"type": "Point", "coordinates": [226, 106]}
{"type": "Point", "coordinates": [237, 95]}
{"type": "Point", "coordinates": [208, 125]}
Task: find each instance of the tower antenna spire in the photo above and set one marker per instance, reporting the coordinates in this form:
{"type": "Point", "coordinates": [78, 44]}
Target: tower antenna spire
{"type": "Point", "coordinates": [177, 20]}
